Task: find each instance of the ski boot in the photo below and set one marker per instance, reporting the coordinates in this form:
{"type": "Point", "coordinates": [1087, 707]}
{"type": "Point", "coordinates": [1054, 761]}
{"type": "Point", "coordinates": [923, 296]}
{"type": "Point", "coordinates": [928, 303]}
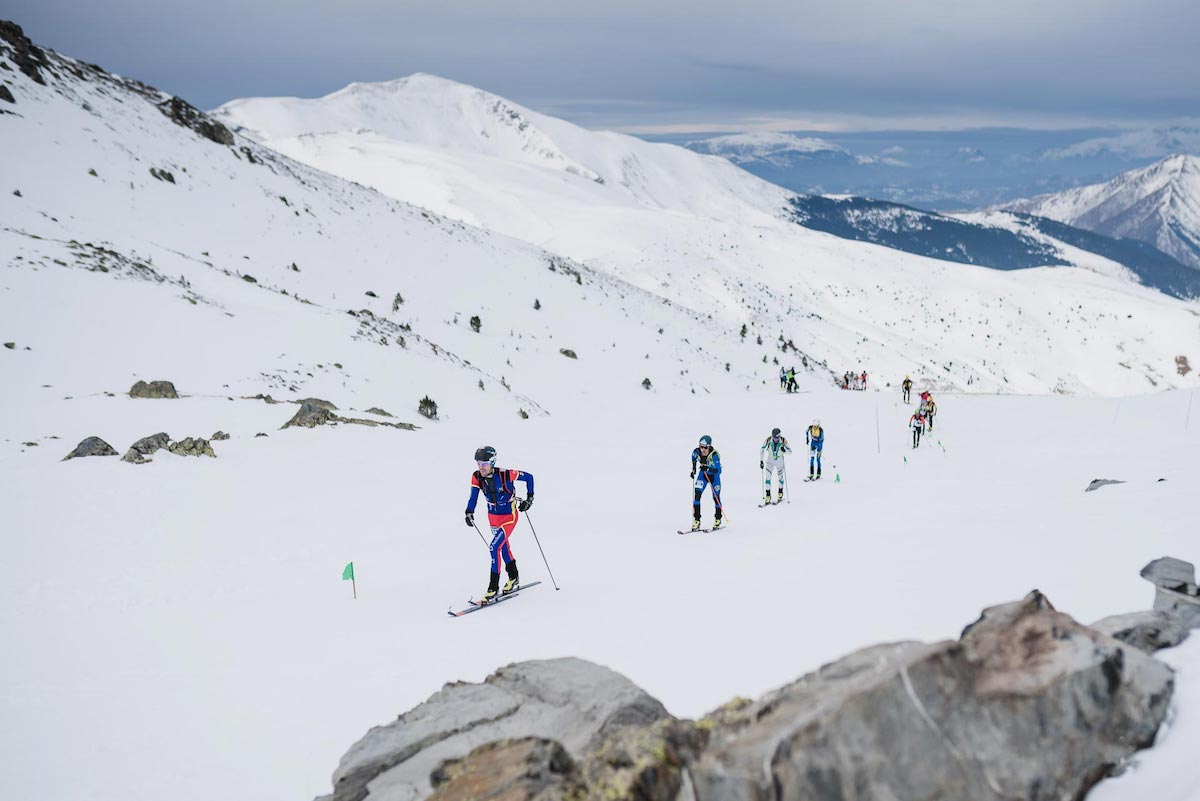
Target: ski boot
{"type": "Point", "coordinates": [493, 590]}
{"type": "Point", "coordinates": [695, 525]}
{"type": "Point", "coordinates": [716, 524]}
{"type": "Point", "coordinates": [818, 478]}
{"type": "Point", "coordinates": [514, 583]}
{"type": "Point", "coordinates": [779, 496]}
{"type": "Point", "coordinates": [767, 498]}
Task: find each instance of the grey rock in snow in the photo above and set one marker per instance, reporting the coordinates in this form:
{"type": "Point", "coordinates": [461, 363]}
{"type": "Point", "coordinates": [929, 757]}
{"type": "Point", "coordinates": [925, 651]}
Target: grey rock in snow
{"type": "Point", "coordinates": [1026, 704]}
{"type": "Point", "coordinates": [1097, 483]}
{"type": "Point", "coordinates": [192, 446]}
{"type": "Point", "coordinates": [218, 436]}
{"type": "Point", "coordinates": [576, 703]}
{"type": "Point", "coordinates": [153, 389]}
{"type": "Point", "coordinates": [310, 416]}
{"type": "Point", "coordinates": [145, 446]}
{"type": "Point", "coordinates": [380, 412]}
{"type": "Point", "coordinates": [1175, 591]}
{"type": "Point", "coordinates": [318, 402]}
{"type": "Point", "coordinates": [92, 446]}
{"type": "Point", "coordinates": [1147, 631]}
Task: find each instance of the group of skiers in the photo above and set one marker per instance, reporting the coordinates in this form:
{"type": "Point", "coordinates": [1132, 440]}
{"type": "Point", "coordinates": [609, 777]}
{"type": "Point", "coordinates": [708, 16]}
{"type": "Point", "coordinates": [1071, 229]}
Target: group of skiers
{"type": "Point", "coordinates": [706, 468]}
{"type": "Point", "coordinates": [504, 507]}
{"type": "Point", "coordinates": [787, 379]}
{"type": "Point", "coordinates": [922, 417]}
{"type": "Point", "coordinates": [854, 380]}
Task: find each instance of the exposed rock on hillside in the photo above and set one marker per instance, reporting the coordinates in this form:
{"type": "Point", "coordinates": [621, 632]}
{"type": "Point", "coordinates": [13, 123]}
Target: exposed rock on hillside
{"type": "Point", "coordinates": [189, 446]}
{"type": "Point", "coordinates": [312, 415]}
{"type": "Point", "coordinates": [92, 446]}
{"type": "Point", "coordinates": [153, 389]}
{"type": "Point", "coordinates": [144, 447]}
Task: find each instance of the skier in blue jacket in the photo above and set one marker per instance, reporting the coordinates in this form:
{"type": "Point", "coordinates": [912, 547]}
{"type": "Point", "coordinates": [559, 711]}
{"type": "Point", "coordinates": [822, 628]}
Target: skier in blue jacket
{"type": "Point", "coordinates": [706, 469]}
{"type": "Point", "coordinates": [815, 437]}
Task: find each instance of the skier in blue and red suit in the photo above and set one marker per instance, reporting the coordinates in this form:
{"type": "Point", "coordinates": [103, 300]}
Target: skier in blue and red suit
{"type": "Point", "coordinates": [499, 487]}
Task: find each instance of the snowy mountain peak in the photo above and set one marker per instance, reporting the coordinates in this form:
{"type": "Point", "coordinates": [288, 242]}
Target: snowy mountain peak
{"type": "Point", "coordinates": [419, 109]}
{"type": "Point", "coordinates": [1159, 204]}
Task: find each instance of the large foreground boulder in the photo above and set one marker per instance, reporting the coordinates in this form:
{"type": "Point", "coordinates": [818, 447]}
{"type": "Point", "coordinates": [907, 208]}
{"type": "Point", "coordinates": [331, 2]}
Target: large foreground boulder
{"type": "Point", "coordinates": [1026, 704]}
{"type": "Point", "coordinates": [573, 702]}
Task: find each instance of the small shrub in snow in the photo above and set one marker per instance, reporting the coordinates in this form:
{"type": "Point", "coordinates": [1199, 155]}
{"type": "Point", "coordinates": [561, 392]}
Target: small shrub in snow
{"type": "Point", "coordinates": [524, 415]}
{"type": "Point", "coordinates": [646, 383]}
{"type": "Point", "coordinates": [476, 324]}
{"type": "Point", "coordinates": [537, 304]}
{"type": "Point", "coordinates": [397, 302]}
{"type": "Point", "coordinates": [427, 408]}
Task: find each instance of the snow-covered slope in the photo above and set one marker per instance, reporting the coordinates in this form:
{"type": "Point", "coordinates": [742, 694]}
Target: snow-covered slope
{"type": "Point", "coordinates": [1159, 204]}
{"type": "Point", "coordinates": [715, 239]}
{"type": "Point", "coordinates": [188, 239]}
{"type": "Point", "coordinates": [180, 629]}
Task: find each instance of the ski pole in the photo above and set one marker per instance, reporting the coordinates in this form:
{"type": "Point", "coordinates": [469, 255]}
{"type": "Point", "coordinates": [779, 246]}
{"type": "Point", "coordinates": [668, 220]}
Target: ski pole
{"type": "Point", "coordinates": [787, 493]}
{"type": "Point", "coordinates": [480, 533]}
{"type": "Point", "coordinates": [539, 545]}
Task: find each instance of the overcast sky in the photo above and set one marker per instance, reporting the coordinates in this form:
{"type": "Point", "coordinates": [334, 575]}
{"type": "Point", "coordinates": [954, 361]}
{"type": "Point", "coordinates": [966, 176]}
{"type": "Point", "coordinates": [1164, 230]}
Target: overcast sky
{"type": "Point", "coordinates": [709, 65]}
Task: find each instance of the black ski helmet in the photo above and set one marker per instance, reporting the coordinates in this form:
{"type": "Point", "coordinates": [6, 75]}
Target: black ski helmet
{"type": "Point", "coordinates": [774, 432]}
{"type": "Point", "coordinates": [486, 454]}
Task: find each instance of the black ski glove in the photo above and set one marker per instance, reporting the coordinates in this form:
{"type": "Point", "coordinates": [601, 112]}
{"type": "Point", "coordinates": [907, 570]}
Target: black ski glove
{"type": "Point", "coordinates": [471, 519]}
{"type": "Point", "coordinates": [693, 472]}
{"type": "Point", "coordinates": [760, 465]}
{"type": "Point", "coordinates": [525, 504]}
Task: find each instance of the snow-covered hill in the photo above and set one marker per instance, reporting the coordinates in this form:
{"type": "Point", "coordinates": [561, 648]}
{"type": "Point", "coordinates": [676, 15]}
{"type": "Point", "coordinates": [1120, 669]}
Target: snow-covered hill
{"type": "Point", "coordinates": [715, 239]}
{"type": "Point", "coordinates": [180, 629]}
{"type": "Point", "coordinates": [778, 149]}
{"type": "Point", "coordinates": [1159, 204]}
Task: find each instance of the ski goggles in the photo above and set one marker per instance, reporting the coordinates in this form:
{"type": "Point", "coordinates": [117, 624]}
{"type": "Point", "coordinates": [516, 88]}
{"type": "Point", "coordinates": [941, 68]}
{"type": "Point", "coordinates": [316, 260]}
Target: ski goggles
{"type": "Point", "coordinates": [484, 464]}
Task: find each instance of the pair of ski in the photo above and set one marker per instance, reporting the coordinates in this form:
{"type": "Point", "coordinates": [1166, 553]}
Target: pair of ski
{"type": "Point", "coordinates": [703, 530]}
{"type": "Point", "coordinates": [475, 606]}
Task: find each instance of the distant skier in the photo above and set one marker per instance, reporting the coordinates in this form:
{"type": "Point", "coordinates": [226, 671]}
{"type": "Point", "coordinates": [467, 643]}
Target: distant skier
{"type": "Point", "coordinates": [930, 411]}
{"type": "Point", "coordinates": [814, 437]}
{"type": "Point", "coordinates": [499, 487]}
{"type": "Point", "coordinates": [864, 381]}
{"type": "Point", "coordinates": [782, 378]}
{"type": "Point", "coordinates": [770, 458]}
{"type": "Point", "coordinates": [906, 390]}
{"type": "Point", "coordinates": [706, 469]}
{"type": "Point", "coordinates": [791, 379]}
{"type": "Point", "coordinates": [917, 424]}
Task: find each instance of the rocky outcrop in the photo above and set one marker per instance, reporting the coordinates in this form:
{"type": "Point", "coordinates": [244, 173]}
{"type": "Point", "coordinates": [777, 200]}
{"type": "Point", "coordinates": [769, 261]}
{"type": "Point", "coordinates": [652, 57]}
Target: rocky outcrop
{"type": "Point", "coordinates": [92, 446]}
{"type": "Point", "coordinates": [1175, 592]}
{"type": "Point", "coordinates": [153, 389]}
{"type": "Point", "coordinates": [1026, 704]}
{"type": "Point", "coordinates": [526, 769]}
{"type": "Point", "coordinates": [218, 436]}
{"type": "Point", "coordinates": [380, 412]}
{"type": "Point", "coordinates": [1097, 483]}
{"type": "Point", "coordinates": [311, 415]}
{"type": "Point", "coordinates": [318, 402]}
{"type": "Point", "coordinates": [192, 446]}
{"type": "Point", "coordinates": [145, 446]}
{"type": "Point", "coordinates": [1147, 631]}
{"type": "Point", "coordinates": [575, 703]}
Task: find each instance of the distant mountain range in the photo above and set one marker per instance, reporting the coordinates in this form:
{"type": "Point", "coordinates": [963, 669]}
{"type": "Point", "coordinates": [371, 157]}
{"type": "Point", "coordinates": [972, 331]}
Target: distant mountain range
{"type": "Point", "coordinates": [1158, 204]}
{"type": "Point", "coordinates": [944, 170]}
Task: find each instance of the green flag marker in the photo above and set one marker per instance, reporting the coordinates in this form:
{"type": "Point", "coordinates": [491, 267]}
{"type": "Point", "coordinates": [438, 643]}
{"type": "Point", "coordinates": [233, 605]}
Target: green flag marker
{"type": "Point", "coordinates": [348, 575]}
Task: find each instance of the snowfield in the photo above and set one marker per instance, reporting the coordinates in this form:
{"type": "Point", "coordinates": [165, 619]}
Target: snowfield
{"type": "Point", "coordinates": [180, 629]}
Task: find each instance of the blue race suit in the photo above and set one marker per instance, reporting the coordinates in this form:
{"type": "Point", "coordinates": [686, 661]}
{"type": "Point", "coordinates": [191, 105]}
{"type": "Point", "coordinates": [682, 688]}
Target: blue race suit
{"type": "Point", "coordinates": [498, 489]}
{"type": "Point", "coordinates": [708, 471]}
{"type": "Point", "coordinates": [815, 437]}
